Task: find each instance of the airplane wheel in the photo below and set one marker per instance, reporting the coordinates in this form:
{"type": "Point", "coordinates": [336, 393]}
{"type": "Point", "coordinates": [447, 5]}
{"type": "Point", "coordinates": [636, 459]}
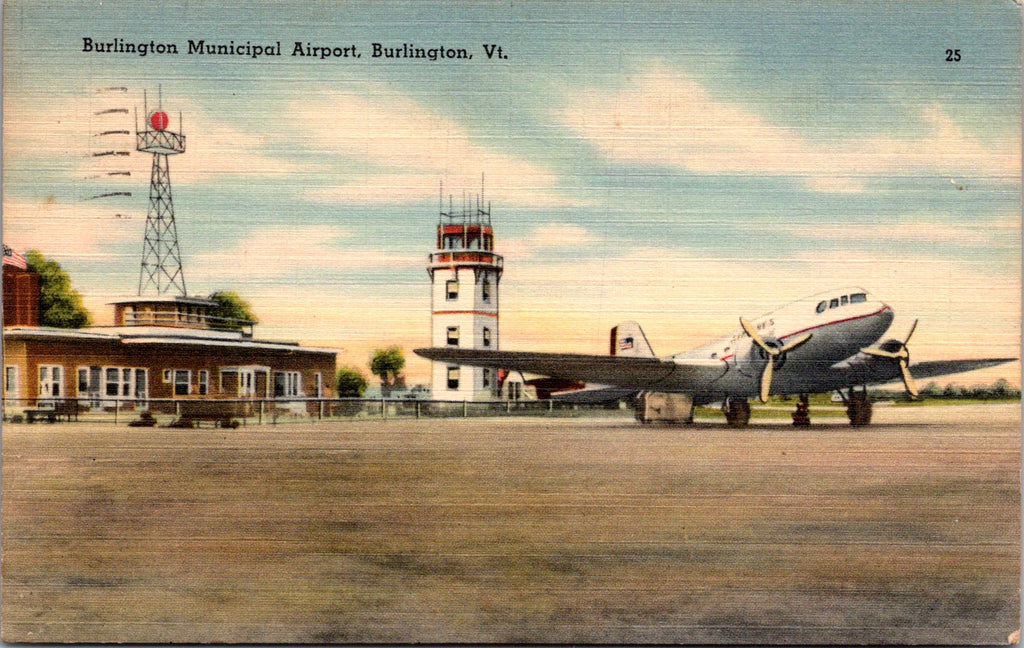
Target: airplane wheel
{"type": "Point", "coordinates": [859, 411]}
{"type": "Point", "coordinates": [737, 412]}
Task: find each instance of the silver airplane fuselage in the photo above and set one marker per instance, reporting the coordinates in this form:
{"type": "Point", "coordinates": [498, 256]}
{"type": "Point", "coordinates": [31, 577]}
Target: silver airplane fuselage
{"type": "Point", "coordinates": [840, 323]}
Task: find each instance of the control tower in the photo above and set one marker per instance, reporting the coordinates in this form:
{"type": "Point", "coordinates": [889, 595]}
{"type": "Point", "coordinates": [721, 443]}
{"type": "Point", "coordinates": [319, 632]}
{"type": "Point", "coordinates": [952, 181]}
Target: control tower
{"type": "Point", "coordinates": [464, 275]}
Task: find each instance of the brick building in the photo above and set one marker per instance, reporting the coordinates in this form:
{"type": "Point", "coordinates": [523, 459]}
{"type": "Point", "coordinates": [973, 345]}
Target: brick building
{"type": "Point", "coordinates": [159, 348]}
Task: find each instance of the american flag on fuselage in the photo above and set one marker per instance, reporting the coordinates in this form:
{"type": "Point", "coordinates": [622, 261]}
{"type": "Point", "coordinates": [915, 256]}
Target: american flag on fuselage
{"type": "Point", "coordinates": [12, 258]}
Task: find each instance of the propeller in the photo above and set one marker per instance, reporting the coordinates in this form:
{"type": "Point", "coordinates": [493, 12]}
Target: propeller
{"type": "Point", "coordinates": [901, 355]}
{"type": "Point", "coordinates": [773, 353]}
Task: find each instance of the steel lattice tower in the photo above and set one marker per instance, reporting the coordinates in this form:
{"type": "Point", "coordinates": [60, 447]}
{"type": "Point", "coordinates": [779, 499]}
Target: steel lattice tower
{"type": "Point", "coordinates": [161, 259]}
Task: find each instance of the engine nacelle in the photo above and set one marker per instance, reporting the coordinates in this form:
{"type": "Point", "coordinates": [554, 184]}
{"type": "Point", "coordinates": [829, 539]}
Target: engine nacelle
{"type": "Point", "coordinates": [660, 407]}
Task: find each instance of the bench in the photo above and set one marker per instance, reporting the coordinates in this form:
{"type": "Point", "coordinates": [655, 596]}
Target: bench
{"type": "Point", "coordinates": [66, 410]}
{"type": "Point", "coordinates": [192, 413]}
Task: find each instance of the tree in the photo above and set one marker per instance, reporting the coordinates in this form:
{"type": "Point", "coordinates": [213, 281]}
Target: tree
{"type": "Point", "coordinates": [60, 305]}
{"type": "Point", "coordinates": [387, 365]}
{"type": "Point", "coordinates": [232, 311]}
{"type": "Point", "coordinates": [351, 383]}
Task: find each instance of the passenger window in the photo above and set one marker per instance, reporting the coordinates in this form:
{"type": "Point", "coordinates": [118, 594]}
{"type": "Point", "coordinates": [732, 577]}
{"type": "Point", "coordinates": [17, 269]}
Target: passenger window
{"type": "Point", "coordinates": [834, 303]}
{"type": "Point", "coordinates": [821, 307]}
{"type": "Point", "coordinates": [858, 298]}
{"type": "Point", "coordinates": [843, 300]}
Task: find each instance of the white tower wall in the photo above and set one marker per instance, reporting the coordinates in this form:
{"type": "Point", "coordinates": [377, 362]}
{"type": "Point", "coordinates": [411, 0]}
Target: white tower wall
{"type": "Point", "coordinates": [465, 275]}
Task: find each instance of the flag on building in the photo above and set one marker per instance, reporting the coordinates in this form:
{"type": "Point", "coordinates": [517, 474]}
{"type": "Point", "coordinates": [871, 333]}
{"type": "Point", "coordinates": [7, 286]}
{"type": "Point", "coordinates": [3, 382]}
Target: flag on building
{"type": "Point", "coordinates": [12, 258]}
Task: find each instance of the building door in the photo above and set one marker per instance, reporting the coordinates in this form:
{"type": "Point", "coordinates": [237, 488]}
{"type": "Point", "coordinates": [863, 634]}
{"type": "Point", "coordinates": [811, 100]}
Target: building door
{"type": "Point", "coordinates": [142, 388]}
{"type": "Point", "coordinates": [51, 378]}
{"type": "Point", "coordinates": [89, 385]}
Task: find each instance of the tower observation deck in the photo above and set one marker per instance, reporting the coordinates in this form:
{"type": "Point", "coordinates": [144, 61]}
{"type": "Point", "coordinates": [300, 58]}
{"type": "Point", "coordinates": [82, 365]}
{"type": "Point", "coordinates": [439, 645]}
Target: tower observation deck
{"type": "Point", "coordinates": [465, 273]}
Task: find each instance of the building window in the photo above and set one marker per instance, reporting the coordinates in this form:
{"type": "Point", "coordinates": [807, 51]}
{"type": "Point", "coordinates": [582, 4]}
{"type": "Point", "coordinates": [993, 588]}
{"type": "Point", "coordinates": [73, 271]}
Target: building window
{"type": "Point", "coordinates": [318, 385]}
{"type": "Point", "coordinates": [453, 336]}
{"type": "Point", "coordinates": [126, 382]}
{"type": "Point", "coordinates": [451, 289]}
{"type": "Point", "coordinates": [487, 378]}
{"type": "Point", "coordinates": [485, 290]}
{"type": "Point", "coordinates": [112, 381]}
{"type": "Point", "coordinates": [204, 382]}
{"type": "Point", "coordinates": [50, 379]}
{"type": "Point", "coordinates": [287, 384]}
{"type": "Point", "coordinates": [168, 376]}
{"type": "Point", "coordinates": [453, 377]}
{"type": "Point", "coordinates": [182, 382]}
{"type": "Point", "coordinates": [487, 337]}
{"type": "Point", "coordinates": [11, 381]}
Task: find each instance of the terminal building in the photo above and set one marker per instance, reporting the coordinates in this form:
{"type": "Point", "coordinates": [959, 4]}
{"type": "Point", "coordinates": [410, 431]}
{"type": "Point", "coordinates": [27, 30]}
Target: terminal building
{"type": "Point", "coordinates": [166, 347]}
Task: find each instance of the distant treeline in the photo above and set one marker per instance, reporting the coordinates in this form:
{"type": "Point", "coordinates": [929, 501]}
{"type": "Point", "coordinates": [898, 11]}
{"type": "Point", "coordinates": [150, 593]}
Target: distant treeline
{"type": "Point", "coordinates": [1000, 390]}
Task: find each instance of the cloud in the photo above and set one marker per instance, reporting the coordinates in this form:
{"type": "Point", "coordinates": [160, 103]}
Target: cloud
{"type": "Point", "coordinates": [86, 137]}
{"type": "Point", "coordinates": [67, 231]}
{"type": "Point", "coordinates": [685, 300]}
{"type": "Point", "coordinates": [414, 149]}
{"type": "Point", "coordinates": [999, 233]}
{"type": "Point", "coordinates": [663, 117]}
{"type": "Point", "coordinates": [276, 252]}
{"type": "Point", "coordinates": [552, 235]}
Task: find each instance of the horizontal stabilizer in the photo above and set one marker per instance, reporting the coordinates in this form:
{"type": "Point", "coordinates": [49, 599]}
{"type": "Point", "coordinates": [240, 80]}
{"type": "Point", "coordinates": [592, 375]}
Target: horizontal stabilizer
{"type": "Point", "coordinates": [593, 394]}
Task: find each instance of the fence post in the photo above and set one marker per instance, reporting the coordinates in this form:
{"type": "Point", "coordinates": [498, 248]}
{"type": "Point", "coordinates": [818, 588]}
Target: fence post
{"type": "Point", "coordinates": [465, 409]}
{"type": "Point", "coordinates": [383, 409]}
{"type": "Point", "coordinates": [417, 410]}
{"type": "Point", "coordinates": [115, 411]}
{"type": "Point", "coordinates": [261, 412]}
{"type": "Point", "coordinates": [320, 414]}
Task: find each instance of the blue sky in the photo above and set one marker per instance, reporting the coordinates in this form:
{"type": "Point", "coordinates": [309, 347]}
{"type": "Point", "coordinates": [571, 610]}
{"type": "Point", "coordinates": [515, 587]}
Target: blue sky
{"type": "Point", "coordinates": [681, 164]}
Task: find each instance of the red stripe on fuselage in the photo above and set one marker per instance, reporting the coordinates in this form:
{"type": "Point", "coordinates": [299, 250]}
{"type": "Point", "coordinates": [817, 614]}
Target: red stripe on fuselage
{"type": "Point", "coordinates": [848, 319]}
{"type": "Point", "coordinates": [818, 326]}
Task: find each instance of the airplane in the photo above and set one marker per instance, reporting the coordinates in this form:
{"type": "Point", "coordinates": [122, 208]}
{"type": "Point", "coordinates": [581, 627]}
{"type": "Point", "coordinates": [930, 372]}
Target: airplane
{"type": "Point", "coordinates": [829, 342]}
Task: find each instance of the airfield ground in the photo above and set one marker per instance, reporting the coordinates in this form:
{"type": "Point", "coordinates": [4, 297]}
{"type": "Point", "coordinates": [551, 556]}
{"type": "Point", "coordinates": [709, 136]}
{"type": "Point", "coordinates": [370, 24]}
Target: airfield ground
{"type": "Point", "coordinates": [517, 530]}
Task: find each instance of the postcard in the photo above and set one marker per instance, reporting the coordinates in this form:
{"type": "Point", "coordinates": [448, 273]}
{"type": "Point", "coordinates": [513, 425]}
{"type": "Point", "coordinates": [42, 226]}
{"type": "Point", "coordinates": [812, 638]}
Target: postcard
{"type": "Point", "coordinates": [511, 322]}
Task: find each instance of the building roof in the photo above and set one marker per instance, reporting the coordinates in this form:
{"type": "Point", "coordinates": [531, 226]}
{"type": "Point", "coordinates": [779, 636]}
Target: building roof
{"type": "Point", "coordinates": [158, 335]}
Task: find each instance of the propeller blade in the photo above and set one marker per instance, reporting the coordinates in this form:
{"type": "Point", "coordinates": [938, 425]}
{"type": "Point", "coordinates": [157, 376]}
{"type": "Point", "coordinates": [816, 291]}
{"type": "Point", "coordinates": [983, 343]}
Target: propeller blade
{"type": "Point", "coordinates": [756, 337]}
{"type": "Point", "coordinates": [766, 381]}
{"type": "Point", "coordinates": [796, 343]}
{"type": "Point", "coordinates": [908, 379]}
{"type": "Point", "coordinates": [913, 327]}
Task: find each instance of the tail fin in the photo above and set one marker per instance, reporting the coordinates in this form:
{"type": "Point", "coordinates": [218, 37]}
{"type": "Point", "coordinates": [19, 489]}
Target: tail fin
{"type": "Point", "coordinates": [628, 339]}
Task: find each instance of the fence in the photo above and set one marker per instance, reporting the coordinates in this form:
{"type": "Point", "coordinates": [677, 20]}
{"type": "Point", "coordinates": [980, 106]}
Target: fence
{"type": "Point", "coordinates": [185, 412]}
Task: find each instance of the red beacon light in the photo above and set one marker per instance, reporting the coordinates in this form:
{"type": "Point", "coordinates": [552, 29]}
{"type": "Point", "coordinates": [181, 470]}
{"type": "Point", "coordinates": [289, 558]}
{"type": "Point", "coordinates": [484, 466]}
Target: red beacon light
{"type": "Point", "coordinates": [158, 120]}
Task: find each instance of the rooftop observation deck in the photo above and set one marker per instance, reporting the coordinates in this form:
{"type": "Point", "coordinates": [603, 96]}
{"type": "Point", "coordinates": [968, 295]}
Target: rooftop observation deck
{"type": "Point", "coordinates": [177, 312]}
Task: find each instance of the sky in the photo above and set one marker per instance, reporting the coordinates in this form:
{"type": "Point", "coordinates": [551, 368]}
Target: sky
{"type": "Point", "coordinates": [677, 164]}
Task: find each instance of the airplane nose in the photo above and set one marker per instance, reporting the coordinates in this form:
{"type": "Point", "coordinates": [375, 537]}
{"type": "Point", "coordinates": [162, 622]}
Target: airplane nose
{"type": "Point", "coordinates": [885, 313]}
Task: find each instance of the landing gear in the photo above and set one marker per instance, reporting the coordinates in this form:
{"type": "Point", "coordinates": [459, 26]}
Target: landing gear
{"type": "Point", "coordinates": [801, 416]}
{"type": "Point", "coordinates": [737, 412]}
{"type": "Point", "coordinates": [858, 408]}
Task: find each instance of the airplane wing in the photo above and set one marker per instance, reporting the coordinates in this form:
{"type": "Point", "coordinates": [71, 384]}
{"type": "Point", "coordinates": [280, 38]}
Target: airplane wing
{"type": "Point", "coordinates": [627, 372]}
{"type": "Point", "coordinates": [863, 369]}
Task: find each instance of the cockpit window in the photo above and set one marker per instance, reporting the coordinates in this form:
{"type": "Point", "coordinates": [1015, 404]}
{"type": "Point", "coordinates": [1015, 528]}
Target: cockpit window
{"type": "Point", "coordinates": [834, 303]}
{"type": "Point", "coordinates": [821, 307]}
{"type": "Point", "coordinates": [843, 300]}
{"type": "Point", "coordinates": [858, 298]}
